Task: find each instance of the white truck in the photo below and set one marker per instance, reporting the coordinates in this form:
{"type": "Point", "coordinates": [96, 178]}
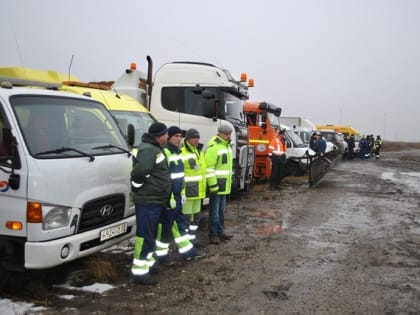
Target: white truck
{"type": "Point", "coordinates": [201, 96]}
{"type": "Point", "coordinates": [64, 178]}
{"type": "Point", "coordinates": [303, 127]}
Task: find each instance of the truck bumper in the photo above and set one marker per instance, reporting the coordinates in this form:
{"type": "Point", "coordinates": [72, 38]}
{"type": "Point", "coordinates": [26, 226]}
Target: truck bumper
{"type": "Point", "coordinates": [40, 255]}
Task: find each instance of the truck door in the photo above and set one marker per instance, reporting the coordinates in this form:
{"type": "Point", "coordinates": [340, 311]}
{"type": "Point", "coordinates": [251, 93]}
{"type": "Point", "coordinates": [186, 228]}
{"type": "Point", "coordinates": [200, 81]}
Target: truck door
{"type": "Point", "coordinates": [13, 177]}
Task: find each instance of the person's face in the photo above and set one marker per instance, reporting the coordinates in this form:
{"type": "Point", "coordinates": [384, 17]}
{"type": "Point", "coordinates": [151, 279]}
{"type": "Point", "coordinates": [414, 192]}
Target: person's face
{"type": "Point", "coordinates": [225, 136]}
{"type": "Point", "coordinates": [194, 141]}
{"type": "Point", "coordinates": [175, 140]}
{"type": "Point", "coordinates": [163, 139]}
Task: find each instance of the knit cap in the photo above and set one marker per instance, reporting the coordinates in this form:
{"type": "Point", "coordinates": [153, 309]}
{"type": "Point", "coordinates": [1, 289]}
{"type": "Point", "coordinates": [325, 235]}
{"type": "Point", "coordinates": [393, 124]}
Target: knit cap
{"type": "Point", "coordinates": [173, 130]}
{"type": "Point", "coordinates": [192, 133]}
{"type": "Point", "coordinates": [157, 129]}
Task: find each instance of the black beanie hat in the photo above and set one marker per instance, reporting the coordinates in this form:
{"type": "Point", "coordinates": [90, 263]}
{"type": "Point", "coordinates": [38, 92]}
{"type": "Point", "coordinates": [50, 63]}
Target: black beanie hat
{"type": "Point", "coordinates": [157, 129]}
{"type": "Point", "coordinates": [192, 133]}
{"type": "Point", "coordinates": [173, 130]}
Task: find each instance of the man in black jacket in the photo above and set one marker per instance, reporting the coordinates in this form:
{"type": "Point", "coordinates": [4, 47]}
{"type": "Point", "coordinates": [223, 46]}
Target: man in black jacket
{"type": "Point", "coordinates": [151, 186]}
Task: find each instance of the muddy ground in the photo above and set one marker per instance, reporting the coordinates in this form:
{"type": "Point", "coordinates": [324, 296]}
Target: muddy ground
{"type": "Point", "coordinates": [350, 245]}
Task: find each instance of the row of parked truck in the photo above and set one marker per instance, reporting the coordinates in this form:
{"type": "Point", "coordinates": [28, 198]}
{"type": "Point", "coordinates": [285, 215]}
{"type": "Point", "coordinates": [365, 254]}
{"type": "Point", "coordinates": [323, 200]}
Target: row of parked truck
{"type": "Point", "coordinates": [66, 151]}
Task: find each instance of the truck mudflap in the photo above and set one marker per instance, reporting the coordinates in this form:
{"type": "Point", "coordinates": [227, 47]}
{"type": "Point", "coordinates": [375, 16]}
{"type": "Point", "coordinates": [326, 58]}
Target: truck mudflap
{"type": "Point", "coordinates": [320, 165]}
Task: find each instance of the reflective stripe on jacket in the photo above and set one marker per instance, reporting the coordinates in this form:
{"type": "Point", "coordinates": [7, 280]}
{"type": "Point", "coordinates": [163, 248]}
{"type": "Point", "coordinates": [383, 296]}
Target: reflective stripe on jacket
{"type": "Point", "coordinates": [277, 146]}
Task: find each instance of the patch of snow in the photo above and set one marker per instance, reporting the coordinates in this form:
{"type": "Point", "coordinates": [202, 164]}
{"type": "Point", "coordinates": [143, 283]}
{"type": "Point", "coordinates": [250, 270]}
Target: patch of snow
{"type": "Point", "coordinates": [96, 287]}
{"type": "Point", "coordinates": [8, 307]}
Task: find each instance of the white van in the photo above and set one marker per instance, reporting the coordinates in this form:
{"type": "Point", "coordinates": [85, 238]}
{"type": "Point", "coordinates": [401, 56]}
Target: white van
{"type": "Point", "coordinates": [64, 179]}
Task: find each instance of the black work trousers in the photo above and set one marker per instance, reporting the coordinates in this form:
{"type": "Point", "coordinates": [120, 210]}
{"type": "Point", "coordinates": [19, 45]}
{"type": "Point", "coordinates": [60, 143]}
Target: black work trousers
{"type": "Point", "coordinates": [278, 163]}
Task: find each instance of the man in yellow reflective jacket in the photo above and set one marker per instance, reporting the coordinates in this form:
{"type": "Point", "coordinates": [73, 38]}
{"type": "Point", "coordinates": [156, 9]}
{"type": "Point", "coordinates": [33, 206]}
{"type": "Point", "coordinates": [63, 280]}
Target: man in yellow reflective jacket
{"type": "Point", "coordinates": [195, 177]}
{"type": "Point", "coordinates": [219, 160]}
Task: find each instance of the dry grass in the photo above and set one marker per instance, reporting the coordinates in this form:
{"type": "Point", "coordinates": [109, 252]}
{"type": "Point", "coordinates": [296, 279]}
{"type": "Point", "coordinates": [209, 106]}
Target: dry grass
{"type": "Point", "coordinates": [101, 268]}
{"type": "Point", "coordinates": [96, 268]}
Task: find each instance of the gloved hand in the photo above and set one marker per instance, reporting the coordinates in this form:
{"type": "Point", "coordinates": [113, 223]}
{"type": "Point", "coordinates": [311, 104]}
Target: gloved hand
{"type": "Point", "coordinates": [183, 199]}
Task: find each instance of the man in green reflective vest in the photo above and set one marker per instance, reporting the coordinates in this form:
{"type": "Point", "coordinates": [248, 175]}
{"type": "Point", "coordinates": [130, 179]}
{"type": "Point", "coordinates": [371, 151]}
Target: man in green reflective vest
{"type": "Point", "coordinates": [219, 160]}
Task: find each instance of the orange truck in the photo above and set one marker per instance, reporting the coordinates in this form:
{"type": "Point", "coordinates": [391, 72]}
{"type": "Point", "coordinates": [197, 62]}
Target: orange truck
{"type": "Point", "coordinates": [260, 132]}
{"type": "Point", "coordinates": [262, 118]}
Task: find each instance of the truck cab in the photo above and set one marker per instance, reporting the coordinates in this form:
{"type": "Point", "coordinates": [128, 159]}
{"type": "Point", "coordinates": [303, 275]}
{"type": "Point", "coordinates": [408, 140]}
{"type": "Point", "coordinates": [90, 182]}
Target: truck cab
{"type": "Point", "coordinates": [201, 96]}
{"type": "Point", "coordinates": [125, 109]}
{"type": "Point", "coordinates": [262, 119]}
{"type": "Point", "coordinates": [64, 176]}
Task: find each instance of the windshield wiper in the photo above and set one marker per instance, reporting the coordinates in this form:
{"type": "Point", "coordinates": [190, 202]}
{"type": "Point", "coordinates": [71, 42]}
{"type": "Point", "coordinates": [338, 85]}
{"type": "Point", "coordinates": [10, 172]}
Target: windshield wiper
{"type": "Point", "coordinates": [64, 149]}
{"type": "Point", "coordinates": [111, 146]}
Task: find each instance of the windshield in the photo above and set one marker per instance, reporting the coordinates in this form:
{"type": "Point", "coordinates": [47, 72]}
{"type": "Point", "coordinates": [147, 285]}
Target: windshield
{"type": "Point", "coordinates": [274, 120]}
{"type": "Point", "coordinates": [50, 124]}
{"type": "Point", "coordinates": [141, 122]}
{"type": "Point", "coordinates": [293, 137]}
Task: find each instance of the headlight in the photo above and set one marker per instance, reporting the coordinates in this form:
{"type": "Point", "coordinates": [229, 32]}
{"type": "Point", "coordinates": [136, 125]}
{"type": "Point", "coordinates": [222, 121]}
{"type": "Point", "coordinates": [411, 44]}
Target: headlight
{"type": "Point", "coordinates": [56, 218]}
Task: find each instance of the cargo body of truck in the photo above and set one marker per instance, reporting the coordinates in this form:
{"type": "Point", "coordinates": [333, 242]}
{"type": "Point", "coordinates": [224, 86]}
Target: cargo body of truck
{"type": "Point", "coordinates": [200, 96]}
{"type": "Point", "coordinates": [64, 176]}
{"type": "Point", "coordinates": [303, 127]}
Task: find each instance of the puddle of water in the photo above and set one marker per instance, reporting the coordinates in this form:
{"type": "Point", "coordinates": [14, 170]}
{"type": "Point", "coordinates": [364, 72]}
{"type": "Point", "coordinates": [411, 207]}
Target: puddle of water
{"type": "Point", "coordinates": [410, 179]}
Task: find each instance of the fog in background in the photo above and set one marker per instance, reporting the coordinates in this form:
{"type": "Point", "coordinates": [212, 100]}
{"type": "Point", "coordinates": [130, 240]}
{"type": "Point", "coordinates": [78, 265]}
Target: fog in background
{"type": "Point", "coordinates": [331, 61]}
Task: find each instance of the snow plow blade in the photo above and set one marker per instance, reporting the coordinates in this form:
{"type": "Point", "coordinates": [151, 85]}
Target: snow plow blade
{"type": "Point", "coordinates": [320, 165]}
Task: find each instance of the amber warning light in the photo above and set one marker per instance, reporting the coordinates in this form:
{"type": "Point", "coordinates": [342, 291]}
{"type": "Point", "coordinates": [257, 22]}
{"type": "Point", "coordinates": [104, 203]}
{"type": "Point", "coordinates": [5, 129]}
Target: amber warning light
{"type": "Point", "coordinates": [14, 225]}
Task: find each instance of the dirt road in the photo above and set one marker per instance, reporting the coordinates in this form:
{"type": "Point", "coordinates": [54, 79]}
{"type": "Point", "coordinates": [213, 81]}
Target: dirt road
{"type": "Point", "coordinates": [351, 245]}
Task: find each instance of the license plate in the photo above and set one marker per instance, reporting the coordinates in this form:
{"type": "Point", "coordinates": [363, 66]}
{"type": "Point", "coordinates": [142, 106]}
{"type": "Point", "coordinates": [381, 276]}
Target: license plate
{"type": "Point", "coordinates": [113, 231]}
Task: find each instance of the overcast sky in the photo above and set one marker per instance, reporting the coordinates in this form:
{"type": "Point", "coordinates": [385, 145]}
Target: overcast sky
{"type": "Point", "coordinates": [354, 62]}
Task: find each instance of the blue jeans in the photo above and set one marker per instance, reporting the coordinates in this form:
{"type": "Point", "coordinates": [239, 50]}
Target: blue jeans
{"type": "Point", "coordinates": [217, 205]}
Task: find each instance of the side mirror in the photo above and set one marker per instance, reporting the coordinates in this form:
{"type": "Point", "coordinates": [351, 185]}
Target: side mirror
{"type": "Point", "coordinates": [207, 95]}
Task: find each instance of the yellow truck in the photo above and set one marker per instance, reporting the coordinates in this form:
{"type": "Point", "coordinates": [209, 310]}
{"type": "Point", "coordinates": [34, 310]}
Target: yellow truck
{"type": "Point", "coordinates": [124, 108]}
{"type": "Point", "coordinates": [344, 129]}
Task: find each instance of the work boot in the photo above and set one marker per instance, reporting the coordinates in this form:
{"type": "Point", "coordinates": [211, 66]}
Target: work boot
{"type": "Point", "coordinates": [198, 244]}
{"type": "Point", "coordinates": [192, 254]}
{"type": "Point", "coordinates": [145, 280]}
{"type": "Point", "coordinates": [214, 240]}
{"type": "Point", "coordinates": [165, 260]}
{"type": "Point", "coordinates": [225, 237]}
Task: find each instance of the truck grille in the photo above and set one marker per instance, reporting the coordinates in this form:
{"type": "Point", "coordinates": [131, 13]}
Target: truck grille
{"type": "Point", "coordinates": [101, 212]}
